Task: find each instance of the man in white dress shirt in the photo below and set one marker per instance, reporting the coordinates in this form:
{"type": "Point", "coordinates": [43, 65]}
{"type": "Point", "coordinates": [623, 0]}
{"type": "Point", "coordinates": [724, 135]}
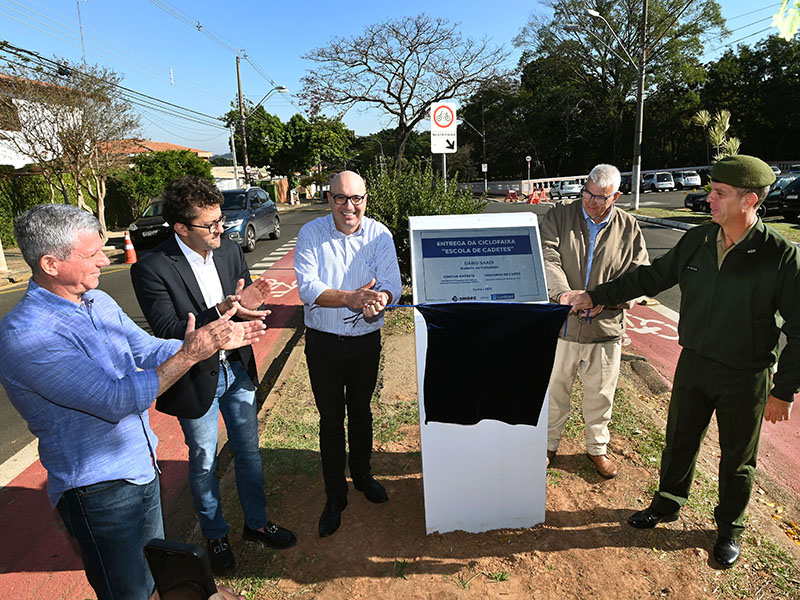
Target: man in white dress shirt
{"type": "Point", "coordinates": [347, 273]}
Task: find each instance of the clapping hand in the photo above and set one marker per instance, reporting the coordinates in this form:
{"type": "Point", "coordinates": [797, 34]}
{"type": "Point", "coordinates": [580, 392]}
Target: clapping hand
{"type": "Point", "coordinates": [222, 334]}
{"type": "Point", "coordinates": [247, 300]}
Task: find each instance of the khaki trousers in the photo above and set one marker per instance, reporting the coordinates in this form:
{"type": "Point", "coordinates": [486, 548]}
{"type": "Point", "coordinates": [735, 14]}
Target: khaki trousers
{"type": "Point", "coordinates": [598, 365]}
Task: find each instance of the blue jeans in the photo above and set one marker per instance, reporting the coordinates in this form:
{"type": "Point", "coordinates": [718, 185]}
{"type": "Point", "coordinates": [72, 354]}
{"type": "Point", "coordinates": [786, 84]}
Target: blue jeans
{"type": "Point", "coordinates": [112, 521]}
{"type": "Point", "coordinates": [236, 399]}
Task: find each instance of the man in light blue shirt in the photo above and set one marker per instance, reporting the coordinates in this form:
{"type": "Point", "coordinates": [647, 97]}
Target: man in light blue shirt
{"type": "Point", "coordinates": [83, 375]}
{"type": "Point", "coordinates": [347, 273]}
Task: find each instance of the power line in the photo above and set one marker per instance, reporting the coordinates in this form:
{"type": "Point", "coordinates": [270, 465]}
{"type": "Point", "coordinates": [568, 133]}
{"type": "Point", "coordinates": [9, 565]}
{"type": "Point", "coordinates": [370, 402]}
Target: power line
{"type": "Point", "coordinates": [58, 28]}
{"type": "Point", "coordinates": [768, 6]}
{"type": "Point", "coordinates": [225, 43]}
{"type": "Point", "coordinates": [729, 44]}
{"type": "Point", "coordinates": [133, 96]}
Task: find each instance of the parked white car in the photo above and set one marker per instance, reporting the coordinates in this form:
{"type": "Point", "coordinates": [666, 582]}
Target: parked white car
{"type": "Point", "coordinates": [686, 179]}
{"type": "Point", "coordinates": [569, 188]}
{"type": "Point", "coordinates": [660, 181]}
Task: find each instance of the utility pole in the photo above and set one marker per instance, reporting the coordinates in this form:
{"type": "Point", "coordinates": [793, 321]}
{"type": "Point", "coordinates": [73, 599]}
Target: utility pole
{"type": "Point", "coordinates": [233, 150]}
{"type": "Point", "coordinates": [483, 139]}
{"type": "Point", "coordinates": [636, 169]}
{"type": "Point", "coordinates": [241, 122]}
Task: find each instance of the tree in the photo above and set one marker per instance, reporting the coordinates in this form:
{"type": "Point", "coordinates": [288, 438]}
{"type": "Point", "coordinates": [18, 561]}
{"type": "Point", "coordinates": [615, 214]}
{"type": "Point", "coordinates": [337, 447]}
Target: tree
{"type": "Point", "coordinates": [715, 129]}
{"type": "Point", "coordinates": [294, 146]}
{"type": "Point", "coordinates": [150, 173]}
{"type": "Point", "coordinates": [591, 80]}
{"type": "Point", "coordinates": [393, 197]}
{"type": "Point", "coordinates": [758, 83]}
{"type": "Point", "coordinates": [66, 116]}
{"type": "Point", "coordinates": [787, 20]}
{"type": "Point", "coordinates": [400, 67]}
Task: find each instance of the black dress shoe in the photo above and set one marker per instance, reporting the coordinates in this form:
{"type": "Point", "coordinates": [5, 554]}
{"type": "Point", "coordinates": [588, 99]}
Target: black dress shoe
{"type": "Point", "coordinates": [726, 552]}
{"type": "Point", "coordinates": [649, 518]}
{"type": "Point", "coordinates": [332, 515]}
{"type": "Point", "coordinates": [273, 536]}
{"type": "Point", "coordinates": [373, 490]}
{"type": "Point", "coordinates": [220, 555]}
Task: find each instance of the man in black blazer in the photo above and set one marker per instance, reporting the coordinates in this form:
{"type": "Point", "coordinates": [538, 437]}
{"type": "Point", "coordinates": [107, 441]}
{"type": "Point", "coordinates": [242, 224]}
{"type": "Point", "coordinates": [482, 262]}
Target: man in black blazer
{"type": "Point", "coordinates": [197, 271]}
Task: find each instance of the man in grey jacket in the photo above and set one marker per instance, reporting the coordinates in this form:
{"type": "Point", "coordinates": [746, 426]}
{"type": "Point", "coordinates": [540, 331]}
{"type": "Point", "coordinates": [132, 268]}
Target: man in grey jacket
{"type": "Point", "coordinates": [584, 244]}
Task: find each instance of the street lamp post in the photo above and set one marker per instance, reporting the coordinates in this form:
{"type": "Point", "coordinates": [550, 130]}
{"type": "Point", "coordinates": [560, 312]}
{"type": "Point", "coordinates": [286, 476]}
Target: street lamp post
{"type": "Point", "coordinates": [636, 168]}
{"type": "Point", "coordinates": [242, 118]}
{"type": "Point", "coordinates": [380, 156]}
{"type": "Point", "coordinates": [483, 139]}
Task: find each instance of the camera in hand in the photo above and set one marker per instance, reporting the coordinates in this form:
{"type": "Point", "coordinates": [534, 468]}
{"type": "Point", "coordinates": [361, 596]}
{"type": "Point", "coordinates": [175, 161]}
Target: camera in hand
{"type": "Point", "coordinates": [180, 571]}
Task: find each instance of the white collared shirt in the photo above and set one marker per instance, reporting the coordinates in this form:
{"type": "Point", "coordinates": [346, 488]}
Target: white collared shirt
{"type": "Point", "coordinates": [325, 258]}
{"type": "Point", "coordinates": [205, 272]}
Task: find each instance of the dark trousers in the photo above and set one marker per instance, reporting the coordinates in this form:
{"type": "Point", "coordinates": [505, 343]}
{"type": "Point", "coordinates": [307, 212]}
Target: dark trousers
{"type": "Point", "coordinates": [701, 388]}
{"type": "Point", "coordinates": [112, 521]}
{"type": "Point", "coordinates": [343, 372]}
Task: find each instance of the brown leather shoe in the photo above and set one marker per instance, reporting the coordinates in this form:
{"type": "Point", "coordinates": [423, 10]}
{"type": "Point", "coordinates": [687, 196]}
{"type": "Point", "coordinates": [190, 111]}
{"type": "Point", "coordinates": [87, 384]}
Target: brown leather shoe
{"type": "Point", "coordinates": [604, 466]}
{"type": "Point", "coordinates": [551, 454]}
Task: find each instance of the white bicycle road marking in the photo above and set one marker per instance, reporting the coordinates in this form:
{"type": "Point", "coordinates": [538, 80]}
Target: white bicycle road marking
{"type": "Point", "coordinates": [663, 329]}
{"type": "Point", "coordinates": [279, 288]}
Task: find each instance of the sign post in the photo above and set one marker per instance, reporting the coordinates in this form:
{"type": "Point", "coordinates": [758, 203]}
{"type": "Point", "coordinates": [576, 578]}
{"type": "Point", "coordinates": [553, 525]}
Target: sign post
{"type": "Point", "coordinates": [528, 158]}
{"type": "Point", "coordinates": [444, 139]}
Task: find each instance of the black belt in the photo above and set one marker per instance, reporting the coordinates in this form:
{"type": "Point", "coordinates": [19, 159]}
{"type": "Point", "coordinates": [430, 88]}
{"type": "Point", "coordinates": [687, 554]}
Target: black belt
{"type": "Point", "coordinates": [343, 338]}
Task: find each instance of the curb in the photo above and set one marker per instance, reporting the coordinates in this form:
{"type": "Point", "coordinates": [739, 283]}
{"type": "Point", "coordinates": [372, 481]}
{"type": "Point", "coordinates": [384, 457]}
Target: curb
{"type": "Point", "coordinates": [665, 222]}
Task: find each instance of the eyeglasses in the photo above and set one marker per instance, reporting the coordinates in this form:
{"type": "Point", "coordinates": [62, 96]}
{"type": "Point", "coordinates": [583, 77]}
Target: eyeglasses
{"type": "Point", "coordinates": [341, 199]}
{"type": "Point", "coordinates": [212, 227]}
{"type": "Point", "coordinates": [587, 195]}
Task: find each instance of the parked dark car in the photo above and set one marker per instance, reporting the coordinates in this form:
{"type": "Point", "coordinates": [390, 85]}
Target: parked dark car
{"type": "Point", "coordinates": [697, 201]}
{"type": "Point", "coordinates": [790, 201]}
{"type": "Point", "coordinates": [249, 216]}
{"type": "Point", "coordinates": [625, 185]}
{"type": "Point", "coordinates": [772, 203]}
{"type": "Point", "coordinates": [149, 230]}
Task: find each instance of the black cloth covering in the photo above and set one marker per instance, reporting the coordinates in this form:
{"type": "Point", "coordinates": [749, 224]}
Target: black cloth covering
{"type": "Point", "coordinates": [489, 360]}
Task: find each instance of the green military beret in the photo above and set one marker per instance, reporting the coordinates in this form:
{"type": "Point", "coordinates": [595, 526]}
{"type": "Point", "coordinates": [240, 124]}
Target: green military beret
{"type": "Point", "coordinates": [743, 171]}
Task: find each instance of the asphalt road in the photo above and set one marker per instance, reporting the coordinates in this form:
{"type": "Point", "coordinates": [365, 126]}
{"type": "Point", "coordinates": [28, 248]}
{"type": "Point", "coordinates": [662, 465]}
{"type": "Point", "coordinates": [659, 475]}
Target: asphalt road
{"type": "Point", "coordinates": [115, 281]}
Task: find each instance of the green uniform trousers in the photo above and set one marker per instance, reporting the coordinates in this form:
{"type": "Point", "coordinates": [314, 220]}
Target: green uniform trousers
{"type": "Point", "coordinates": [701, 387]}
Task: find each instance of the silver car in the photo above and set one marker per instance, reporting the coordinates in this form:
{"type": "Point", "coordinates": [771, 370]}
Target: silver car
{"type": "Point", "coordinates": [686, 179]}
{"type": "Point", "coordinates": [658, 182]}
{"type": "Point", "coordinates": [569, 188]}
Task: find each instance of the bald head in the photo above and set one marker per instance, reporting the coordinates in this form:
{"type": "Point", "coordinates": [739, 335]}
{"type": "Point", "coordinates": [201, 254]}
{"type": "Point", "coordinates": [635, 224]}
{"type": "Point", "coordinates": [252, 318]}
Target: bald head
{"type": "Point", "coordinates": [347, 199]}
{"type": "Point", "coordinates": [349, 179]}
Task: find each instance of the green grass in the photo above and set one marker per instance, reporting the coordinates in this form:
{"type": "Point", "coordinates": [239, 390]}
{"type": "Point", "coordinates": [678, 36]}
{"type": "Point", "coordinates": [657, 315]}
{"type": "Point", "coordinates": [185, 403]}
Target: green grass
{"type": "Point", "coordinates": [400, 567]}
{"type": "Point", "coordinates": [464, 582]}
{"type": "Point", "coordinates": [497, 576]}
{"type": "Point", "coordinates": [290, 441]}
{"type": "Point", "coordinates": [649, 439]}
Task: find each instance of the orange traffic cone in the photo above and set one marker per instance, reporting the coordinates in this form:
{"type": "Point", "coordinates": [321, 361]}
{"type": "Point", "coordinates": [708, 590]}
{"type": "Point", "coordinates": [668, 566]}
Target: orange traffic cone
{"type": "Point", "coordinates": [130, 253]}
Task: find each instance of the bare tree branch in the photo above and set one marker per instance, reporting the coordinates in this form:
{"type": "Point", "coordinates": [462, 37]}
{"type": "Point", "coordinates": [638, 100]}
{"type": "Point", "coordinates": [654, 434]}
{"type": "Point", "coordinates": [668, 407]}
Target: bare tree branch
{"type": "Point", "coordinates": [68, 117]}
{"type": "Point", "coordinates": [401, 67]}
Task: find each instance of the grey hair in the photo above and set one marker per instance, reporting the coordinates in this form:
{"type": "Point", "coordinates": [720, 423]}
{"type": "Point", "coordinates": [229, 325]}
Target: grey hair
{"type": "Point", "coordinates": [51, 229]}
{"type": "Point", "coordinates": [605, 175]}
{"type": "Point", "coordinates": [760, 192]}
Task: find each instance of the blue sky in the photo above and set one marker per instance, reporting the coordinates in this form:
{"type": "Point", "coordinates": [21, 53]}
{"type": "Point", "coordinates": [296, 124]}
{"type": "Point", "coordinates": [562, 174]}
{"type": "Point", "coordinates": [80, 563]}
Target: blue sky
{"type": "Point", "coordinates": [145, 40]}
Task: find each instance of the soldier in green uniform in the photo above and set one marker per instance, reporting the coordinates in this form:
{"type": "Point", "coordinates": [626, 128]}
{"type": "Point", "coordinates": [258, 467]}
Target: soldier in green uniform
{"type": "Point", "coordinates": [735, 275]}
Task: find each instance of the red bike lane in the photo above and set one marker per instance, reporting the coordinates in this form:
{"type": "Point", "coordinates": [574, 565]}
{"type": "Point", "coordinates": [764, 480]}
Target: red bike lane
{"type": "Point", "coordinates": [37, 558]}
{"type": "Point", "coordinates": [654, 334]}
